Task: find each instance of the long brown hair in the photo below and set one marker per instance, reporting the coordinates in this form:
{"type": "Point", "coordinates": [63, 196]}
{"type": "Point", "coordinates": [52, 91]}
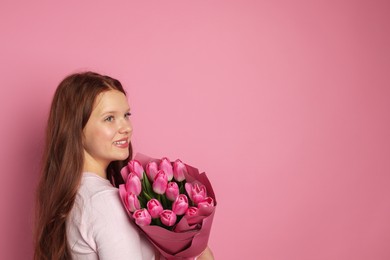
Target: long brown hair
{"type": "Point", "coordinates": [63, 160]}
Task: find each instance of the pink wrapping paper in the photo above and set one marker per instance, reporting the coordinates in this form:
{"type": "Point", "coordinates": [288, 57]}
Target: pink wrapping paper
{"type": "Point", "coordinates": [189, 240]}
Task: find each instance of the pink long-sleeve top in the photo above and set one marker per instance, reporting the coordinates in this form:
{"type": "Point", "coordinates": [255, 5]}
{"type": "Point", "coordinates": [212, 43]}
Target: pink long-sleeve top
{"type": "Point", "coordinates": [99, 228]}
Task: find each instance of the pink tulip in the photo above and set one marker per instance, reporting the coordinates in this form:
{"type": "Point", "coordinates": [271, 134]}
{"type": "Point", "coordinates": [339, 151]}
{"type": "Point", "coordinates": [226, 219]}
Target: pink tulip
{"type": "Point", "coordinates": [206, 206]}
{"type": "Point", "coordinates": [125, 172]}
{"type": "Point", "coordinates": [168, 218]}
{"type": "Point", "coordinates": [180, 205]}
{"type": "Point", "coordinates": [166, 166]}
{"type": "Point", "coordinates": [172, 191]}
{"type": "Point", "coordinates": [196, 192]}
{"type": "Point", "coordinates": [132, 202]}
{"type": "Point", "coordinates": [136, 167]}
{"type": "Point", "coordinates": [192, 221]}
{"type": "Point", "coordinates": [142, 217]}
{"type": "Point", "coordinates": [179, 170]}
{"type": "Point", "coordinates": [160, 182]}
{"type": "Point", "coordinates": [191, 212]}
{"type": "Point", "coordinates": [133, 184]}
{"type": "Point", "coordinates": [192, 216]}
{"type": "Point", "coordinates": [154, 207]}
{"type": "Point", "coordinates": [151, 170]}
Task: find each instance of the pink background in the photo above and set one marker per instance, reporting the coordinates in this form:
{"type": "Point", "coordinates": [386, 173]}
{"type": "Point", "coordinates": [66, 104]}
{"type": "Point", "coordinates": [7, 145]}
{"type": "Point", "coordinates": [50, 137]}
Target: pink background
{"type": "Point", "coordinates": [284, 103]}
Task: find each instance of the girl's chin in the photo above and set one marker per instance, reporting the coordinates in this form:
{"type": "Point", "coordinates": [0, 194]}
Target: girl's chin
{"type": "Point", "coordinates": [122, 157]}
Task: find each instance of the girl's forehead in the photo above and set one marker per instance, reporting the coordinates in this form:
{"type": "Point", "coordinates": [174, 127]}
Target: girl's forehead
{"type": "Point", "coordinates": [111, 100]}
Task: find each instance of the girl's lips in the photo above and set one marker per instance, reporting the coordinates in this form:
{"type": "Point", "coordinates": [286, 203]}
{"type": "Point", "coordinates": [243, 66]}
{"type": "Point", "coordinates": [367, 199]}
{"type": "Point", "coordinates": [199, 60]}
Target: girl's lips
{"type": "Point", "coordinates": [122, 143]}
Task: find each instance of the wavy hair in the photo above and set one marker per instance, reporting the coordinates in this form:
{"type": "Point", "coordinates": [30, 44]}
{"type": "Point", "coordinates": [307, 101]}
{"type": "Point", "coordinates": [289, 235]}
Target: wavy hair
{"type": "Point", "coordinates": [63, 160]}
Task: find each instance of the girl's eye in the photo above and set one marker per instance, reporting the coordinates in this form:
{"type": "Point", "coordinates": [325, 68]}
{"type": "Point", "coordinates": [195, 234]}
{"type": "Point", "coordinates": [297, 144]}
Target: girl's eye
{"type": "Point", "coordinates": [128, 114]}
{"type": "Point", "coordinates": [109, 119]}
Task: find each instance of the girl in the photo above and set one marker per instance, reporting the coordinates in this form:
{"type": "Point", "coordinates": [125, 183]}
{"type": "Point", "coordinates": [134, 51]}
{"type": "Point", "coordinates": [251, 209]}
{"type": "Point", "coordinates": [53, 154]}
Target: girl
{"type": "Point", "coordinates": [79, 212]}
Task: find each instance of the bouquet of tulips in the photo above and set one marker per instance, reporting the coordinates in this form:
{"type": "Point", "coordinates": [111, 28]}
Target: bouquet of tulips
{"type": "Point", "coordinates": [172, 204]}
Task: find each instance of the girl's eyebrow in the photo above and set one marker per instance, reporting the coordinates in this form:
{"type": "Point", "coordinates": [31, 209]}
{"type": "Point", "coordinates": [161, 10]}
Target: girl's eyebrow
{"type": "Point", "coordinates": [113, 112]}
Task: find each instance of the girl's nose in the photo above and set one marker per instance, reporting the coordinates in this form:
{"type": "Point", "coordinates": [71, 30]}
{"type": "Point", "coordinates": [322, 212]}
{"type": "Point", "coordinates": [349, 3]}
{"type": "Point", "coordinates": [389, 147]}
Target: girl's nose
{"type": "Point", "coordinates": [126, 128]}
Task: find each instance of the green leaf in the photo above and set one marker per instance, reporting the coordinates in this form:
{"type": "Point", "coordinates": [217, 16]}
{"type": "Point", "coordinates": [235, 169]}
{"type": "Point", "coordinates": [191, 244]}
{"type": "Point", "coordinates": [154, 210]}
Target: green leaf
{"type": "Point", "coordinates": [142, 201]}
{"type": "Point", "coordinates": [164, 202]}
{"type": "Point", "coordinates": [146, 186]}
{"type": "Point", "coordinates": [147, 196]}
{"type": "Point", "coordinates": [182, 189]}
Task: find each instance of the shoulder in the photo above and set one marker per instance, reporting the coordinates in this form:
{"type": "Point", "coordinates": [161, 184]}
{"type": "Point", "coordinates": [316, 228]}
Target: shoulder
{"type": "Point", "coordinates": [100, 199]}
{"type": "Point", "coordinates": [92, 184]}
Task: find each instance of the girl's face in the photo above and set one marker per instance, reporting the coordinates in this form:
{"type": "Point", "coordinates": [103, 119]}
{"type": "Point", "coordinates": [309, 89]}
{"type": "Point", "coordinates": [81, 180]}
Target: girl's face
{"type": "Point", "coordinates": [107, 132]}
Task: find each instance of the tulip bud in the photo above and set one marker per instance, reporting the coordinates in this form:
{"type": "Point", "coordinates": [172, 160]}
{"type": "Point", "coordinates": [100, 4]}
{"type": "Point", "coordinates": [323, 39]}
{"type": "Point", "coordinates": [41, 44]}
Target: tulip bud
{"type": "Point", "coordinates": [172, 191]}
{"type": "Point", "coordinates": [196, 192]}
{"type": "Point", "coordinates": [132, 202]}
{"type": "Point", "coordinates": [191, 212]}
{"type": "Point", "coordinates": [151, 170]}
{"type": "Point", "coordinates": [136, 167]}
{"type": "Point", "coordinates": [168, 218]}
{"type": "Point", "coordinates": [192, 216]}
{"type": "Point", "coordinates": [166, 166]}
{"type": "Point", "coordinates": [142, 217]}
{"type": "Point", "coordinates": [133, 184]}
{"type": "Point", "coordinates": [206, 206]}
{"type": "Point", "coordinates": [154, 207]}
{"type": "Point", "coordinates": [160, 182]}
{"type": "Point", "coordinates": [180, 205]}
{"type": "Point", "coordinates": [192, 221]}
{"type": "Point", "coordinates": [125, 172]}
{"type": "Point", "coordinates": [179, 170]}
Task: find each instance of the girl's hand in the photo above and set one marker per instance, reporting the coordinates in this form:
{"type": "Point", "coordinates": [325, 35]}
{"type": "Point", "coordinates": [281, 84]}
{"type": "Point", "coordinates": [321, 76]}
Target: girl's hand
{"type": "Point", "coordinates": [206, 255]}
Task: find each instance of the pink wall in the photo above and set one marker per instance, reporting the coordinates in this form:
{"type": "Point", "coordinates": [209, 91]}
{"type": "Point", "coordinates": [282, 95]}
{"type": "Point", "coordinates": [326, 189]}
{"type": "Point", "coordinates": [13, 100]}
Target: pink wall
{"type": "Point", "coordinates": [284, 103]}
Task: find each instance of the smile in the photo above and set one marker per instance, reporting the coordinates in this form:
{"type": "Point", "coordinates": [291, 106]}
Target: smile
{"type": "Point", "coordinates": [123, 143]}
{"type": "Point", "coordinates": [120, 142]}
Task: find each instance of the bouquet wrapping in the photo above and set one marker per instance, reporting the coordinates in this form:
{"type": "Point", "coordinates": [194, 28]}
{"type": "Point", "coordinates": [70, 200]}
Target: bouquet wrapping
{"type": "Point", "coordinates": [171, 203]}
